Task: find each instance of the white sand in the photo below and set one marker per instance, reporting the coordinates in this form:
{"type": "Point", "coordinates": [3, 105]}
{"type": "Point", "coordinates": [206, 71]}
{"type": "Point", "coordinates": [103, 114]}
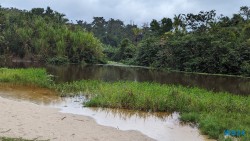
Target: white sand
{"type": "Point", "coordinates": [31, 121]}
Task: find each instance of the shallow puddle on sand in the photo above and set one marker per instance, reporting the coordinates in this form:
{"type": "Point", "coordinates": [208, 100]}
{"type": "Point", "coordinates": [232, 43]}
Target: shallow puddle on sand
{"type": "Point", "coordinates": [159, 126]}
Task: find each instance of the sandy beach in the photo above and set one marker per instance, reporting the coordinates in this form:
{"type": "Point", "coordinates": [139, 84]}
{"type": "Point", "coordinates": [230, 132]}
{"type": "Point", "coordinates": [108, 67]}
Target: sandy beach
{"type": "Point", "coordinates": [31, 121]}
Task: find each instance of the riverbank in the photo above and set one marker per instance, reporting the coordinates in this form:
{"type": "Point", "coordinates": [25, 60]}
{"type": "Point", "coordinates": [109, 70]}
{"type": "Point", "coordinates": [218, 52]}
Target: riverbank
{"type": "Point", "coordinates": [31, 121]}
{"type": "Point", "coordinates": [112, 63]}
{"type": "Point", "coordinates": [212, 112]}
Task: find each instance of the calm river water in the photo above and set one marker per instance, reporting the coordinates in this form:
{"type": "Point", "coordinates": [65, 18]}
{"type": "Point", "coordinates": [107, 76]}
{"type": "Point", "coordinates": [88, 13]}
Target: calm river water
{"type": "Point", "coordinates": [67, 73]}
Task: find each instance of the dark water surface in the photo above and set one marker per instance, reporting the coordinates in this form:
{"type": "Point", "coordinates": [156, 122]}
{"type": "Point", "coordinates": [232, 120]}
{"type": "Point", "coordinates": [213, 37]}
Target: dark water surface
{"type": "Point", "coordinates": [67, 73]}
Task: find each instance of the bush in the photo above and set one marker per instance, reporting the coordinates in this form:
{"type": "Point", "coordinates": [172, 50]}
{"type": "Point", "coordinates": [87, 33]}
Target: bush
{"type": "Point", "coordinates": [58, 60]}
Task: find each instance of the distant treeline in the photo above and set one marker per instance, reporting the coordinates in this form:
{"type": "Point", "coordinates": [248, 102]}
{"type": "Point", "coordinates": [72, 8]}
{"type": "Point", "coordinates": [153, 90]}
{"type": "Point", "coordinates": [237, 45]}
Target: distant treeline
{"type": "Point", "coordinates": [200, 42]}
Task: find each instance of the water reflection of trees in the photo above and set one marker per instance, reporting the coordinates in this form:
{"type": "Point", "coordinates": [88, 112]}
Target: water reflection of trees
{"type": "Point", "coordinates": [125, 114]}
{"type": "Point", "coordinates": [67, 73]}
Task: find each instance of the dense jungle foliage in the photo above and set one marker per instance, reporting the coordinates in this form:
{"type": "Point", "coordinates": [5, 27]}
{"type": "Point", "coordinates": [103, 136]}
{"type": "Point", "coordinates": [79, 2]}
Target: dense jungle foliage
{"type": "Point", "coordinates": [202, 42]}
{"type": "Point", "coordinates": [45, 35]}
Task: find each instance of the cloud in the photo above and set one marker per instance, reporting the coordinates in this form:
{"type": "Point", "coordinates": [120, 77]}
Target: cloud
{"type": "Point", "coordinates": [139, 11]}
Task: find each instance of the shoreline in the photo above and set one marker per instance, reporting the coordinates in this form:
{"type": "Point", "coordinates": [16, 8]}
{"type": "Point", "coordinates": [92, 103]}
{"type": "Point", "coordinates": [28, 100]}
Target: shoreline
{"type": "Point", "coordinates": [155, 126]}
{"type": "Point", "coordinates": [31, 121]}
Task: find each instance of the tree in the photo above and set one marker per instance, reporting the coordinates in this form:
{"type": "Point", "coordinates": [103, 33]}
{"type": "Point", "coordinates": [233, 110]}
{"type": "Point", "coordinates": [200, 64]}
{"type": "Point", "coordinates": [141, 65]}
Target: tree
{"type": "Point", "coordinates": [99, 27]}
{"type": "Point", "coordinates": [49, 11]}
{"type": "Point", "coordinates": [114, 32]}
{"type": "Point", "coordinates": [137, 34]}
{"type": "Point", "coordinates": [147, 51]}
{"type": "Point", "coordinates": [166, 25]}
{"type": "Point", "coordinates": [236, 19]}
{"type": "Point", "coordinates": [245, 12]}
{"type": "Point", "coordinates": [161, 27]}
{"type": "Point", "coordinates": [37, 11]}
{"type": "Point", "coordinates": [200, 21]}
{"type": "Point", "coordinates": [154, 26]}
{"type": "Point", "coordinates": [84, 25]}
{"type": "Point", "coordinates": [177, 22]}
{"type": "Point", "coordinates": [126, 50]}
{"type": "Point", "coordinates": [60, 17]}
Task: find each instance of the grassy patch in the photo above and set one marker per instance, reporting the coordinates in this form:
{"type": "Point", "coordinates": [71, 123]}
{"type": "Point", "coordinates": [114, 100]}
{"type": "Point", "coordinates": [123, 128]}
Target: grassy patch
{"type": "Point", "coordinates": [28, 76]}
{"type": "Point", "coordinates": [213, 112]}
{"type": "Point", "coordinates": [18, 139]}
{"type": "Point", "coordinates": [13, 139]}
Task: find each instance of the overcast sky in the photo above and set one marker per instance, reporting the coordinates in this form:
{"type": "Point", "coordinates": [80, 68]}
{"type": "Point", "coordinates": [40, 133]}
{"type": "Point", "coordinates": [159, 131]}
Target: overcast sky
{"type": "Point", "coordinates": [139, 11]}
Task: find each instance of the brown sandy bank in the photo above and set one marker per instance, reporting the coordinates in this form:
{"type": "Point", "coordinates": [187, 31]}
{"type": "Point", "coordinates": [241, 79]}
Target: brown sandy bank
{"type": "Point", "coordinates": [31, 121]}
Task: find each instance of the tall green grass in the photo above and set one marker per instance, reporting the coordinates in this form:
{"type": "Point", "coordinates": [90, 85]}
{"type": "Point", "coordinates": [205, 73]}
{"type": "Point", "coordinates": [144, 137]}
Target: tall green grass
{"type": "Point", "coordinates": [212, 112]}
{"type": "Point", "coordinates": [30, 76]}
{"type": "Point", "coordinates": [12, 139]}
{"type": "Point", "coordinates": [16, 139]}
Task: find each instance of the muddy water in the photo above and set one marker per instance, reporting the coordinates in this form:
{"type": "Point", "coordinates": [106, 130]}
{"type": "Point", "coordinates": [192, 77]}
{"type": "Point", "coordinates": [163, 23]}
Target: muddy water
{"type": "Point", "coordinates": [159, 126]}
{"type": "Point", "coordinates": [35, 95]}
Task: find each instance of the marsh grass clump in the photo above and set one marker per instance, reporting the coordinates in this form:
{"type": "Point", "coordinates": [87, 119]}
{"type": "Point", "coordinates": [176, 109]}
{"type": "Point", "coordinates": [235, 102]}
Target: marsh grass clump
{"type": "Point", "coordinates": [18, 139]}
{"type": "Point", "coordinates": [30, 76]}
{"type": "Point", "coordinates": [13, 139]}
{"type": "Point", "coordinates": [191, 117]}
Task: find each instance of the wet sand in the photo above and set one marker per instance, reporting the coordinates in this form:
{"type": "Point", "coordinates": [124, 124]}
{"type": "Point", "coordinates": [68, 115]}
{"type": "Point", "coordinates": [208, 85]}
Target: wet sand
{"type": "Point", "coordinates": [32, 121]}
